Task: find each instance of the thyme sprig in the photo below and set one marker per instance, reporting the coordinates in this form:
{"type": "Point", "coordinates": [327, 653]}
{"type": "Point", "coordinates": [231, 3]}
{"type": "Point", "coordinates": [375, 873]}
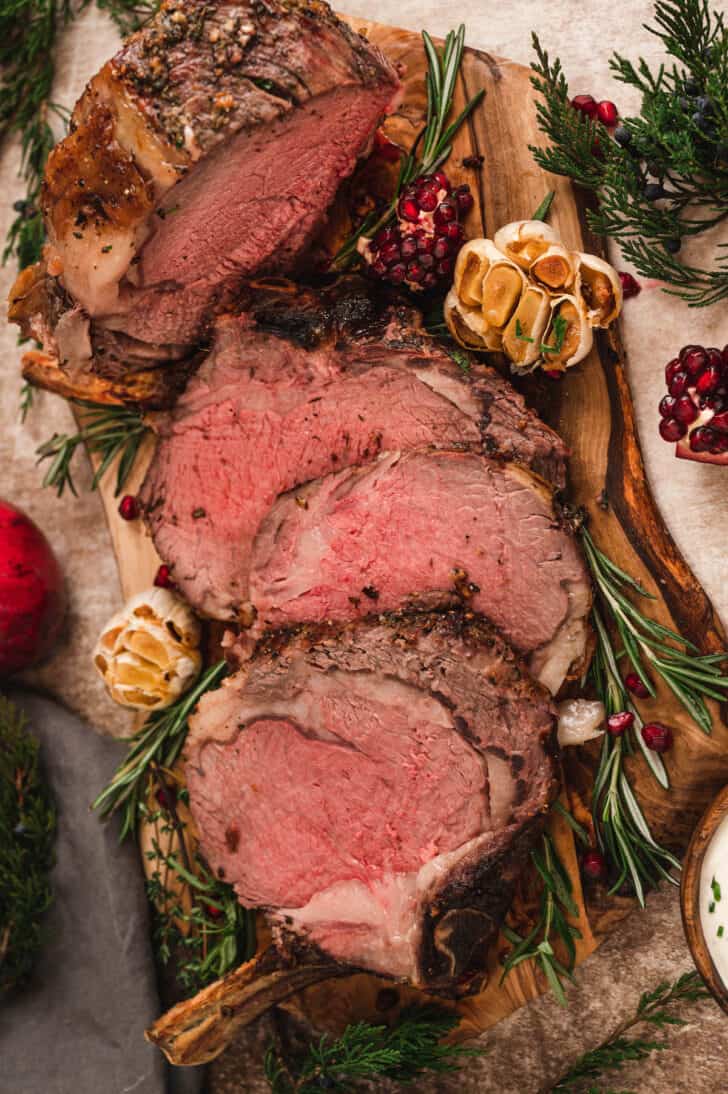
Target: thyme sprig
{"type": "Point", "coordinates": [691, 677]}
{"type": "Point", "coordinates": [434, 142]}
{"type": "Point", "coordinates": [107, 431]}
{"type": "Point", "coordinates": [365, 1051]}
{"type": "Point", "coordinates": [557, 904]}
{"type": "Point", "coordinates": [666, 178]}
{"type": "Point", "coordinates": [656, 1010]}
{"type": "Point", "coordinates": [159, 742]}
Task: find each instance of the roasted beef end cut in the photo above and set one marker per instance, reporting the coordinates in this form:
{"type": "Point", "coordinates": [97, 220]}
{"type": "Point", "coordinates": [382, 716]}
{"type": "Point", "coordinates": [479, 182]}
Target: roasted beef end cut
{"type": "Point", "coordinates": [207, 150]}
{"type": "Point", "coordinates": [301, 384]}
{"type": "Point", "coordinates": [375, 787]}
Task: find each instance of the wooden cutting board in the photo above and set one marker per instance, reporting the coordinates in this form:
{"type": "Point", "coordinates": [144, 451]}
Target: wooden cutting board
{"type": "Point", "coordinates": [592, 410]}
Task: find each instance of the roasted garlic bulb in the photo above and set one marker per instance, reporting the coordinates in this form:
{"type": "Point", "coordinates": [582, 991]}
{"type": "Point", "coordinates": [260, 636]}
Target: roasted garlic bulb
{"type": "Point", "coordinates": [526, 295]}
{"type": "Point", "coordinates": [148, 653]}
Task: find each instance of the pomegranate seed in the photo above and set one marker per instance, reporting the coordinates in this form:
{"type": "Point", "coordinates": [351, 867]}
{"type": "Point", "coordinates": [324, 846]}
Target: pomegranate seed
{"type": "Point", "coordinates": [453, 232]}
{"type": "Point", "coordinates": [465, 200]}
{"type": "Point", "coordinates": [693, 359]}
{"type": "Point", "coordinates": [607, 113]}
{"type": "Point", "coordinates": [441, 248]}
{"type": "Point", "coordinates": [163, 578]}
{"type": "Point", "coordinates": [430, 280]}
{"type": "Point", "coordinates": [709, 380]}
{"type": "Point", "coordinates": [657, 737]}
{"type": "Point", "coordinates": [408, 209]}
{"type": "Point", "coordinates": [671, 429]}
{"type": "Point", "coordinates": [617, 724]}
{"type": "Point", "coordinates": [128, 507]}
{"type": "Point", "coordinates": [427, 201]}
{"type": "Point", "coordinates": [671, 368]}
{"type": "Point", "coordinates": [635, 684]}
{"type": "Point", "coordinates": [408, 248]}
{"type": "Point", "coordinates": [445, 213]}
{"type": "Point", "coordinates": [685, 410]}
{"type": "Point", "coordinates": [426, 261]}
{"type": "Point", "coordinates": [213, 912]}
{"type": "Point", "coordinates": [594, 865]}
{"type": "Point", "coordinates": [679, 383]}
{"type": "Point", "coordinates": [386, 235]}
{"type": "Point", "coordinates": [667, 406]}
{"type": "Point", "coordinates": [724, 355]}
{"type": "Point", "coordinates": [445, 268]}
{"type": "Point", "coordinates": [585, 104]}
{"type": "Point", "coordinates": [397, 273]}
{"type": "Point", "coordinates": [166, 796]}
{"type": "Point", "coordinates": [554, 373]}
{"type": "Point", "coordinates": [703, 439]}
{"type": "Point", "coordinates": [442, 180]}
{"type": "Point", "coordinates": [715, 357]}
{"type": "Point", "coordinates": [390, 254]}
{"type": "Point", "coordinates": [415, 272]}
{"type": "Point", "coordinates": [630, 285]}
{"type": "Point", "coordinates": [379, 268]}
{"type": "Point", "coordinates": [425, 244]}
{"type": "Point", "coordinates": [721, 444]}
{"type": "Point", "coordinates": [720, 422]}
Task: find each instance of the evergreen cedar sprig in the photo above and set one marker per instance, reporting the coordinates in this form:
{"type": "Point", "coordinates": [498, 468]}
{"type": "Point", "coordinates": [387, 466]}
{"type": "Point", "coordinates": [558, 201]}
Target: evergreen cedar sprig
{"type": "Point", "coordinates": [107, 431]}
{"type": "Point", "coordinates": [27, 835]}
{"type": "Point", "coordinates": [666, 177]}
{"type": "Point", "coordinates": [365, 1052]}
{"type": "Point", "coordinates": [434, 142]}
{"type": "Point", "coordinates": [656, 1009]}
{"type": "Point", "coordinates": [557, 904]}
{"type": "Point", "coordinates": [158, 743]}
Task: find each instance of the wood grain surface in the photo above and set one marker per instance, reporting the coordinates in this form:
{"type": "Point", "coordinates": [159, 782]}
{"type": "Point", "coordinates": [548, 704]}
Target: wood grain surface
{"type": "Point", "coordinates": [592, 410]}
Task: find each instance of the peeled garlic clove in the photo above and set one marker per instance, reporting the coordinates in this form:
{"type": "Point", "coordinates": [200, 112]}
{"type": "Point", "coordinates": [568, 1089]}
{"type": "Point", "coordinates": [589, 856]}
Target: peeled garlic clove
{"type": "Point", "coordinates": [580, 720]}
{"type": "Point", "coordinates": [468, 327]}
{"type": "Point", "coordinates": [524, 241]}
{"type": "Point", "coordinates": [555, 269]}
{"type": "Point", "coordinates": [148, 653]}
{"type": "Point", "coordinates": [473, 262]}
{"type": "Point", "coordinates": [522, 337]}
{"type": "Point", "coordinates": [599, 287]}
{"type": "Point", "coordinates": [503, 287]}
{"type": "Point", "coordinates": [576, 339]}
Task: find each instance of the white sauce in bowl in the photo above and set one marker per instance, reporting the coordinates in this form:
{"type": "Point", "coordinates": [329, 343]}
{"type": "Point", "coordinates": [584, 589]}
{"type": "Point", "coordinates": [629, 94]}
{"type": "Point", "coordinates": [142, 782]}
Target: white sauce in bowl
{"type": "Point", "coordinates": [714, 899]}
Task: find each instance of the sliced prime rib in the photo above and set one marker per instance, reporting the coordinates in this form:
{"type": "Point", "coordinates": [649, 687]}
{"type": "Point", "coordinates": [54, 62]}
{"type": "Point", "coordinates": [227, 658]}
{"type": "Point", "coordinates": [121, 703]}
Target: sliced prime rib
{"type": "Point", "coordinates": [421, 529]}
{"type": "Point", "coordinates": [303, 384]}
{"type": "Point", "coordinates": [375, 788]}
{"type": "Point", "coordinates": [207, 150]}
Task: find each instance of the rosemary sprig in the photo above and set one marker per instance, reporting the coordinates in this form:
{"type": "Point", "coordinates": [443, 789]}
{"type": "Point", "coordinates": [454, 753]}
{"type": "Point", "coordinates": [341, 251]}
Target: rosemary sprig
{"type": "Point", "coordinates": [655, 1009]}
{"type": "Point", "coordinates": [434, 142]}
{"type": "Point", "coordinates": [27, 393]}
{"type": "Point", "coordinates": [107, 431]}
{"type": "Point", "coordinates": [666, 178]}
{"type": "Point", "coordinates": [557, 904]}
{"type": "Point", "coordinates": [159, 742]}
{"type": "Point", "coordinates": [366, 1051]}
{"type": "Point", "coordinates": [691, 677]}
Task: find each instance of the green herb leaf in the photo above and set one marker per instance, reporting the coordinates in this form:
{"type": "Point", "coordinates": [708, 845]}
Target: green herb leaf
{"type": "Point", "coordinates": [519, 333]}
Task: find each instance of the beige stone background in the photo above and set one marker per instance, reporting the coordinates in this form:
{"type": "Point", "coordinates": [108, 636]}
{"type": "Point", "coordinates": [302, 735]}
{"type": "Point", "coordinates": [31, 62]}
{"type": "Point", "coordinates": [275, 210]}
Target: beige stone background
{"type": "Point", "coordinates": [531, 1049]}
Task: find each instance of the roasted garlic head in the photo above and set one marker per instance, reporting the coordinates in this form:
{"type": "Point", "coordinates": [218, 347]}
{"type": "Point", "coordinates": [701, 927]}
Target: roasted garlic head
{"type": "Point", "coordinates": [148, 653]}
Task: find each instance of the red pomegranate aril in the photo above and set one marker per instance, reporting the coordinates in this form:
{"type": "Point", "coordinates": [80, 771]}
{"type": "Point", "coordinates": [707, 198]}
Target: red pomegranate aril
{"type": "Point", "coordinates": [128, 507]}
{"type": "Point", "coordinates": [426, 261]}
{"type": "Point", "coordinates": [671, 369]}
{"type": "Point", "coordinates": [441, 248]}
{"type": "Point", "coordinates": [636, 685]}
{"type": "Point", "coordinates": [617, 724]}
{"type": "Point", "coordinates": [427, 200]}
{"type": "Point", "coordinates": [607, 113]}
{"type": "Point", "coordinates": [442, 180]}
{"type": "Point", "coordinates": [415, 272]}
{"type": "Point", "coordinates": [379, 268]}
{"type": "Point", "coordinates": [454, 232]}
{"type": "Point", "coordinates": [445, 267]}
{"type": "Point", "coordinates": [657, 737]}
{"type": "Point", "coordinates": [667, 406]}
{"type": "Point", "coordinates": [724, 355]}
{"type": "Point", "coordinates": [693, 359]}
{"type": "Point", "coordinates": [408, 247]}
{"type": "Point", "coordinates": [397, 273]}
{"type": "Point", "coordinates": [585, 104]}
{"type": "Point", "coordinates": [671, 429]}
{"type": "Point", "coordinates": [679, 383]}
{"type": "Point", "coordinates": [715, 357]}
{"type": "Point", "coordinates": [408, 209]}
{"type": "Point", "coordinates": [430, 280]}
{"type": "Point", "coordinates": [386, 235]}
{"type": "Point", "coordinates": [390, 254]}
{"type": "Point", "coordinates": [425, 244]}
{"type": "Point", "coordinates": [721, 444]}
{"type": "Point", "coordinates": [709, 380]}
{"type": "Point", "coordinates": [465, 200]}
{"type": "Point", "coordinates": [594, 865]}
{"type": "Point", "coordinates": [445, 213]}
{"type": "Point", "coordinates": [703, 439]}
{"type": "Point", "coordinates": [554, 373]}
{"type": "Point", "coordinates": [685, 410]}
{"type": "Point", "coordinates": [720, 422]}
{"type": "Point", "coordinates": [630, 285]}
{"type": "Point", "coordinates": [163, 578]}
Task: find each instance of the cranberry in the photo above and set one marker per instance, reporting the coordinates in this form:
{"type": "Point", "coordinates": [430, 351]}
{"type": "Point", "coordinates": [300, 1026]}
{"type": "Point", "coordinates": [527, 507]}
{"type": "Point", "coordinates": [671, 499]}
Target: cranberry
{"type": "Point", "coordinates": [465, 200]}
{"type": "Point", "coordinates": [671, 368]}
{"type": "Point", "coordinates": [693, 359]}
{"type": "Point", "coordinates": [635, 684]}
{"type": "Point", "coordinates": [594, 865]}
{"type": "Point", "coordinates": [703, 439]}
{"type": "Point", "coordinates": [163, 578]}
{"type": "Point", "coordinates": [709, 380]}
{"type": "Point", "coordinates": [415, 272]}
{"type": "Point", "coordinates": [397, 273]}
{"type": "Point", "coordinates": [408, 208]}
{"type": "Point", "coordinates": [679, 383]}
{"type": "Point", "coordinates": [657, 737]}
{"type": "Point", "coordinates": [445, 213]}
{"type": "Point", "coordinates": [585, 104]}
{"type": "Point", "coordinates": [408, 248]}
{"type": "Point", "coordinates": [720, 422]}
{"type": "Point", "coordinates": [442, 180]}
{"type": "Point", "coordinates": [630, 285]}
{"type": "Point", "coordinates": [685, 410]}
{"type": "Point", "coordinates": [667, 406]}
{"type": "Point", "coordinates": [617, 724]}
{"type": "Point", "coordinates": [427, 201]}
{"type": "Point", "coordinates": [671, 429]}
{"type": "Point", "coordinates": [128, 507]}
{"type": "Point", "coordinates": [607, 113]}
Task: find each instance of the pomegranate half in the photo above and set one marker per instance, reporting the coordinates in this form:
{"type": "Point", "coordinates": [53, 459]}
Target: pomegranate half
{"type": "Point", "coordinates": [32, 594]}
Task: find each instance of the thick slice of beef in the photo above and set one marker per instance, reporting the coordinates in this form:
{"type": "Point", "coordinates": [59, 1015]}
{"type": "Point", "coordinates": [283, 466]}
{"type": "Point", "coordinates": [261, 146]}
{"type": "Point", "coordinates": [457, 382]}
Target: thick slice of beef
{"type": "Point", "coordinates": [375, 788]}
{"type": "Point", "coordinates": [208, 149]}
{"type": "Point", "coordinates": [317, 382]}
{"type": "Point", "coordinates": [422, 529]}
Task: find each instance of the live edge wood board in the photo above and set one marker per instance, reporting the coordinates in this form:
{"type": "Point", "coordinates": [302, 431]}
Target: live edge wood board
{"type": "Point", "coordinates": [592, 410]}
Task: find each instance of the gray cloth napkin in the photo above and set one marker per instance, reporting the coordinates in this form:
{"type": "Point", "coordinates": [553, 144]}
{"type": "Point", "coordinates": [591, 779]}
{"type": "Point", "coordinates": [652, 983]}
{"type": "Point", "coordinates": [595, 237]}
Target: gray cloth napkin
{"type": "Point", "coordinates": [78, 1028]}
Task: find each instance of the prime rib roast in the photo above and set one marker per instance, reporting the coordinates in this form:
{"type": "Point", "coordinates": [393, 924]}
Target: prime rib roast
{"type": "Point", "coordinates": [375, 788]}
{"type": "Point", "coordinates": [207, 150]}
